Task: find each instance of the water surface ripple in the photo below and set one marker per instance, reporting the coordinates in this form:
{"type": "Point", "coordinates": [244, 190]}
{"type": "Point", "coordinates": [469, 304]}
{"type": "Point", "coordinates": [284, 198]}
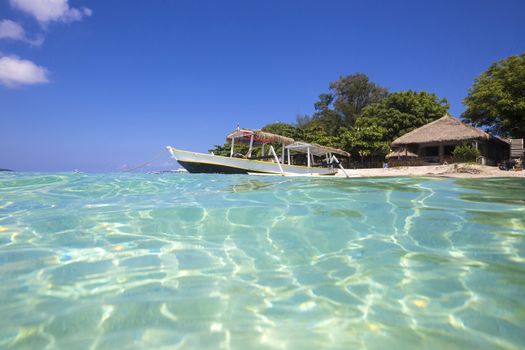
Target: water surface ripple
{"type": "Point", "coordinates": [171, 261]}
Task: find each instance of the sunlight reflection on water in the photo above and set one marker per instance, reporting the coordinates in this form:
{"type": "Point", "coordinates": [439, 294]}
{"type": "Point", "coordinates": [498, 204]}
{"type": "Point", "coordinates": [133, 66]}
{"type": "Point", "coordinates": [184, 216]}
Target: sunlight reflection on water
{"type": "Point", "coordinates": [215, 261]}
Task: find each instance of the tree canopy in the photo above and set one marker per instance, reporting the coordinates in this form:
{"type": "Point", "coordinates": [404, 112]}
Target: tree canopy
{"type": "Point", "coordinates": [398, 113]}
{"type": "Point", "coordinates": [365, 141]}
{"type": "Point", "coordinates": [347, 97]}
{"type": "Point", "coordinates": [402, 112]}
{"type": "Point", "coordinates": [283, 129]}
{"type": "Point", "coordinates": [360, 117]}
{"type": "Point", "coordinates": [496, 100]}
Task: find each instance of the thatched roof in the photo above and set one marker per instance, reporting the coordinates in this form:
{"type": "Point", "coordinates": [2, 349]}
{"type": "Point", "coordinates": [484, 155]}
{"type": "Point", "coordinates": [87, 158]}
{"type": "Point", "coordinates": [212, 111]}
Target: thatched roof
{"type": "Point", "coordinates": [399, 153]}
{"type": "Point", "coordinates": [259, 137]}
{"type": "Point", "coordinates": [444, 129]}
{"type": "Point", "coordinates": [334, 150]}
{"type": "Point", "coordinates": [267, 137]}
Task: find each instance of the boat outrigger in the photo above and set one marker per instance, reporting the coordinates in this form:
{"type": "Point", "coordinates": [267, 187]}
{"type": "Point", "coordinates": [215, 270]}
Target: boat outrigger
{"type": "Point", "coordinates": [297, 158]}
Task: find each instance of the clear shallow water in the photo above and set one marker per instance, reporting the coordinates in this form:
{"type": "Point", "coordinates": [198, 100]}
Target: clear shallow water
{"type": "Point", "coordinates": [239, 262]}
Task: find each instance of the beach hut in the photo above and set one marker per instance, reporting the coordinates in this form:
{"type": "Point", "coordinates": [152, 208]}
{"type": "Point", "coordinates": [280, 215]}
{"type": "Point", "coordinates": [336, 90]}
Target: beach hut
{"type": "Point", "coordinates": [402, 157]}
{"type": "Point", "coordinates": [401, 153]}
{"type": "Point", "coordinates": [435, 141]}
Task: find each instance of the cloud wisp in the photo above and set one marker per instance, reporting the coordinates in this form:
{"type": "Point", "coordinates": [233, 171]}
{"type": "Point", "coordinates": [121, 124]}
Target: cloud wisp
{"type": "Point", "coordinates": [14, 31]}
{"type": "Point", "coordinates": [46, 11]}
{"type": "Point", "coordinates": [16, 72]}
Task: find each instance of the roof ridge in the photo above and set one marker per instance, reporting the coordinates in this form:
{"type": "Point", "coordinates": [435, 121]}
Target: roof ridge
{"type": "Point", "coordinates": [446, 116]}
{"type": "Point", "coordinates": [441, 133]}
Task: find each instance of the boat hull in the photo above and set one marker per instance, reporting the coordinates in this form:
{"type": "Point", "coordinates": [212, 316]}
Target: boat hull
{"type": "Point", "coordinates": [209, 163]}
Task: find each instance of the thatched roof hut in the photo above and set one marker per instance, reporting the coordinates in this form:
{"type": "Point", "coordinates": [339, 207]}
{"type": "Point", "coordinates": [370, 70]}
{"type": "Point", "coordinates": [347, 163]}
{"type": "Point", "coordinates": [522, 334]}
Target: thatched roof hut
{"type": "Point", "coordinates": [436, 141]}
{"type": "Point", "coordinates": [446, 128]}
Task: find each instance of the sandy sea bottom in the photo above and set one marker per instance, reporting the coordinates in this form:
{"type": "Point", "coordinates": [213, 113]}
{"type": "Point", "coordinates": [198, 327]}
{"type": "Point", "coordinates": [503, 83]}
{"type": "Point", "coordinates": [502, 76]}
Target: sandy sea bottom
{"type": "Point", "coordinates": [187, 261]}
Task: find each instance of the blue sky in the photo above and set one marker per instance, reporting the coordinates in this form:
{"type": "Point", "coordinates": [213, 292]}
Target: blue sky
{"type": "Point", "coordinates": [93, 85]}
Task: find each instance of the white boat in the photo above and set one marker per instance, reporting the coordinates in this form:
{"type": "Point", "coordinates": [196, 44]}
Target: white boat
{"type": "Point", "coordinates": [297, 158]}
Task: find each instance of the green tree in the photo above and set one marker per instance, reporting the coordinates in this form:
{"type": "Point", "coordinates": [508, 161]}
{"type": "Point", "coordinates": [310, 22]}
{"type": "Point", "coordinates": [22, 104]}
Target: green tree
{"type": "Point", "coordinates": [283, 129]}
{"type": "Point", "coordinates": [225, 149]}
{"type": "Point", "coordinates": [302, 120]}
{"type": "Point", "coordinates": [496, 100]}
{"type": "Point", "coordinates": [367, 141]}
{"type": "Point", "coordinates": [466, 153]}
{"type": "Point", "coordinates": [221, 150]}
{"type": "Point", "coordinates": [402, 112]}
{"type": "Point", "coordinates": [314, 132]}
{"type": "Point", "coordinates": [381, 122]}
{"type": "Point", "coordinates": [347, 97]}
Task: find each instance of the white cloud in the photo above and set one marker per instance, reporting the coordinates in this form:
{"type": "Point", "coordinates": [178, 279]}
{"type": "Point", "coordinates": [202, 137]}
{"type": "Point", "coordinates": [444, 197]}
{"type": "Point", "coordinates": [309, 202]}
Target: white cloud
{"type": "Point", "coordinates": [12, 30]}
{"type": "Point", "coordinates": [15, 71]}
{"type": "Point", "coordinates": [51, 10]}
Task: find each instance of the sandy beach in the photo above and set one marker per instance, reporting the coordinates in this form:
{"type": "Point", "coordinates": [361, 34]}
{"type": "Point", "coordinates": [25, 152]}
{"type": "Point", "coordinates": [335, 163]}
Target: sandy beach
{"type": "Point", "coordinates": [450, 170]}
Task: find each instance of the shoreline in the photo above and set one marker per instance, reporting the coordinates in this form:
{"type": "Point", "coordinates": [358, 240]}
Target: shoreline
{"type": "Point", "coordinates": [462, 171]}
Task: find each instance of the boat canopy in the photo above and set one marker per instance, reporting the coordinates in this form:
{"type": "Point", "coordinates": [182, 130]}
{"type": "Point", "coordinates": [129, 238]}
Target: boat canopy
{"type": "Point", "coordinates": [259, 137]}
{"type": "Point", "coordinates": [315, 149]}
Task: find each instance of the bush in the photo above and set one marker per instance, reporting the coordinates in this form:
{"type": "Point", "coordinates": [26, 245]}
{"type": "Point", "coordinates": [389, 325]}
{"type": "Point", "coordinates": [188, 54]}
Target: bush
{"type": "Point", "coordinates": [465, 153]}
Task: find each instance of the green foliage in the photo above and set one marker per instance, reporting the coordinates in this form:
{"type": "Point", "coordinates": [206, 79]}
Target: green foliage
{"type": "Point", "coordinates": [365, 141]}
{"type": "Point", "coordinates": [301, 120]}
{"type": "Point", "coordinates": [240, 148]}
{"type": "Point", "coordinates": [315, 132]}
{"type": "Point", "coordinates": [346, 99]}
{"type": "Point", "coordinates": [220, 150]}
{"type": "Point", "coordinates": [283, 129]}
{"type": "Point", "coordinates": [353, 93]}
{"type": "Point", "coordinates": [465, 153]}
{"type": "Point", "coordinates": [382, 122]}
{"type": "Point", "coordinates": [360, 117]}
{"type": "Point", "coordinates": [497, 98]}
{"type": "Point", "coordinates": [402, 112]}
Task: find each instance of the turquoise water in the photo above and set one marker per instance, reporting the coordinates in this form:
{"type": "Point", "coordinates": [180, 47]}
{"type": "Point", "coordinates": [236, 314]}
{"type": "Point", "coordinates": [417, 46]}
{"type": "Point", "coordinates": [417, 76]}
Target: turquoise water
{"type": "Point", "coordinates": [237, 262]}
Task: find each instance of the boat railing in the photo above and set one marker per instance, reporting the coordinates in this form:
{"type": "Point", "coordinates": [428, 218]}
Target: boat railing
{"type": "Point", "coordinates": [334, 159]}
{"type": "Point", "coordinates": [276, 159]}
